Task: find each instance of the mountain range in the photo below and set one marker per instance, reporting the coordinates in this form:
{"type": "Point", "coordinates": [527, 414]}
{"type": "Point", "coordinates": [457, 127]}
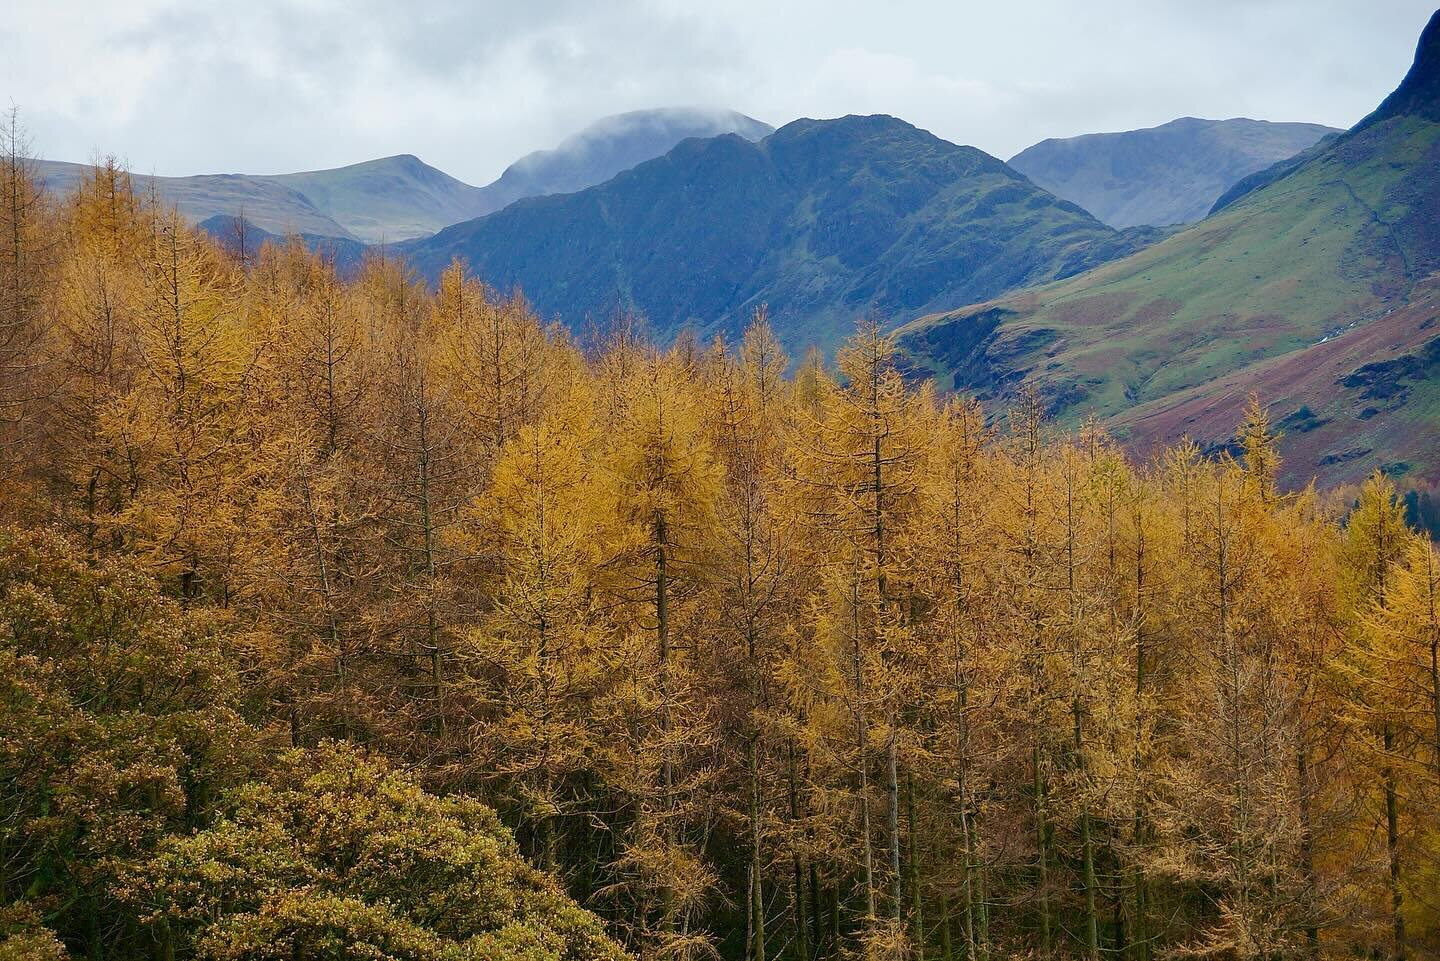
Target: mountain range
{"type": "Point", "coordinates": [823, 220]}
{"type": "Point", "coordinates": [1316, 286]}
{"type": "Point", "coordinates": [400, 198]}
{"type": "Point", "coordinates": [1301, 263]}
{"type": "Point", "coordinates": [1170, 174]}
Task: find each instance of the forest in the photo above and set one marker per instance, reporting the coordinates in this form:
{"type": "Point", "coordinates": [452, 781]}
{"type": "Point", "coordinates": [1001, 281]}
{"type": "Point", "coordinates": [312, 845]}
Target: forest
{"type": "Point", "coordinates": [342, 617]}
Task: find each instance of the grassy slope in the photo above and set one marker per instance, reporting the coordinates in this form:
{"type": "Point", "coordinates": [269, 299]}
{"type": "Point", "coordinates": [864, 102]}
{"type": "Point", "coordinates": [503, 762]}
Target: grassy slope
{"type": "Point", "coordinates": [1367, 397]}
{"type": "Point", "coordinates": [391, 199]}
{"type": "Point", "coordinates": [1331, 247]}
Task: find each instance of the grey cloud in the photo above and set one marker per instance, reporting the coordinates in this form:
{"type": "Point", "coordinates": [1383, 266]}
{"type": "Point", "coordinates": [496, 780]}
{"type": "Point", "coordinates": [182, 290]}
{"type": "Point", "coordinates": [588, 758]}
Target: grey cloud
{"type": "Point", "coordinates": [268, 86]}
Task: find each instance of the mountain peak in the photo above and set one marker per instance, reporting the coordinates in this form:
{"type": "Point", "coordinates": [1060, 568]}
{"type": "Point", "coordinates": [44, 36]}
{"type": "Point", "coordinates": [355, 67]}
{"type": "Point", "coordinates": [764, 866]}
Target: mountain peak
{"type": "Point", "coordinates": [611, 145]}
{"type": "Point", "coordinates": [851, 123]}
{"type": "Point", "coordinates": [1419, 93]}
{"type": "Point", "coordinates": [664, 122]}
{"type": "Point", "coordinates": [1161, 175]}
{"type": "Point", "coordinates": [822, 221]}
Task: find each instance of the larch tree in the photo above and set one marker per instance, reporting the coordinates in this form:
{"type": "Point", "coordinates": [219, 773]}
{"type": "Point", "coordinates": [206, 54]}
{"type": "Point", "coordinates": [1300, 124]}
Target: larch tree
{"type": "Point", "coordinates": [197, 372]}
{"type": "Point", "coordinates": [1377, 541]}
{"type": "Point", "coordinates": [320, 518]}
{"type": "Point", "coordinates": [92, 358]}
{"type": "Point", "coordinates": [537, 657]}
{"type": "Point", "coordinates": [663, 481]}
{"type": "Point", "coordinates": [754, 592]}
{"type": "Point", "coordinates": [950, 543]}
{"type": "Point", "coordinates": [26, 273]}
{"type": "Point", "coordinates": [857, 481]}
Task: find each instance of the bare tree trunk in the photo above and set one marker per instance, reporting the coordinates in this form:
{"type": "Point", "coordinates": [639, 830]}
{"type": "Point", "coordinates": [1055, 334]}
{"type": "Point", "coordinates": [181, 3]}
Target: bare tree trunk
{"type": "Point", "coordinates": [892, 793]}
{"type": "Point", "coordinates": [917, 914]}
{"type": "Point", "coordinates": [1392, 846]}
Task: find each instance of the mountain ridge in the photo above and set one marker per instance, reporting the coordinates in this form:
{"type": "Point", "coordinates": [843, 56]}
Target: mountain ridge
{"type": "Point", "coordinates": [400, 197]}
{"type": "Point", "coordinates": [1294, 274]}
{"type": "Point", "coordinates": [822, 221]}
{"type": "Point", "coordinates": [1168, 174]}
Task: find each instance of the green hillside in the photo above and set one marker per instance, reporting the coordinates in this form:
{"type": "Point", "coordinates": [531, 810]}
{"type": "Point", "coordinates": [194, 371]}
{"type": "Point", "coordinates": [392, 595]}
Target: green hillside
{"type": "Point", "coordinates": [1340, 241]}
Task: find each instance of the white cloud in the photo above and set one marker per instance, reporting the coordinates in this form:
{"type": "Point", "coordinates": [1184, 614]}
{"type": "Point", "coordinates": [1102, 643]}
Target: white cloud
{"type": "Point", "coordinates": [181, 87]}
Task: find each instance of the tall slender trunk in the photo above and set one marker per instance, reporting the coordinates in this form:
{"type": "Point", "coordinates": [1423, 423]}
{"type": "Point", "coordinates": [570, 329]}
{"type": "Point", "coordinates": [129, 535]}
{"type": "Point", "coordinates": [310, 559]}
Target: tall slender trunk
{"type": "Point", "coordinates": [662, 630]}
{"type": "Point", "coordinates": [912, 834]}
{"type": "Point", "coordinates": [947, 939]}
{"type": "Point", "coordinates": [1077, 712]}
{"type": "Point", "coordinates": [749, 912]}
{"type": "Point", "coordinates": [1307, 849]}
{"type": "Point", "coordinates": [967, 827]}
{"type": "Point", "coordinates": [327, 599]}
{"type": "Point", "coordinates": [892, 818]}
{"type": "Point", "coordinates": [857, 667]}
{"type": "Point", "coordinates": [428, 532]}
{"type": "Point", "coordinates": [757, 900]}
{"type": "Point", "coordinates": [1042, 843]}
{"type": "Point", "coordinates": [1092, 926]}
{"type": "Point", "coordinates": [1392, 845]}
{"type": "Point", "coordinates": [817, 910]}
{"type": "Point", "coordinates": [799, 909]}
{"type": "Point", "coordinates": [1434, 630]}
{"type": "Point", "coordinates": [1141, 938]}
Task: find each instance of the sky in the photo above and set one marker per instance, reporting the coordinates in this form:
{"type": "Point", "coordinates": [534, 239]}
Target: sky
{"type": "Point", "coordinates": [178, 87]}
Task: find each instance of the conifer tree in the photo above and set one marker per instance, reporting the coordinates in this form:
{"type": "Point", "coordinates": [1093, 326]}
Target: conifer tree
{"type": "Point", "coordinates": [537, 656]}
{"type": "Point", "coordinates": [664, 484]}
{"type": "Point", "coordinates": [26, 267]}
{"type": "Point", "coordinates": [197, 372]}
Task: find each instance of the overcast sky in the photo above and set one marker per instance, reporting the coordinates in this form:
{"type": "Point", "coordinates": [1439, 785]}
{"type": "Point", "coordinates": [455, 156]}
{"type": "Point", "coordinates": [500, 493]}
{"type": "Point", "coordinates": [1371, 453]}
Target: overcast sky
{"type": "Point", "coordinates": [265, 86]}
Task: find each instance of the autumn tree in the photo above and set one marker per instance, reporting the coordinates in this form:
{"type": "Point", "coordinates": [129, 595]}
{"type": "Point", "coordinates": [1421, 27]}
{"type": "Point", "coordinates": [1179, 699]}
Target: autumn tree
{"type": "Point", "coordinates": [197, 367]}
{"type": "Point", "coordinates": [26, 266]}
{"type": "Point", "coordinates": [664, 481]}
{"type": "Point", "coordinates": [537, 658]}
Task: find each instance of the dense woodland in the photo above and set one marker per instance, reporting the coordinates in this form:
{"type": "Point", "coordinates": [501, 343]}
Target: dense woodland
{"type": "Point", "coordinates": [315, 590]}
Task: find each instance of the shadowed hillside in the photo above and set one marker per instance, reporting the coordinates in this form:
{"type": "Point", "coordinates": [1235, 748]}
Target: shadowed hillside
{"type": "Point", "coordinates": [824, 220]}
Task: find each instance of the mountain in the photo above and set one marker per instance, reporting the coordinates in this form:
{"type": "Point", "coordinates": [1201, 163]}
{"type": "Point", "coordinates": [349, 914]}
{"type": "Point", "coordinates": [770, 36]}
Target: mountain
{"type": "Point", "coordinates": [396, 198]}
{"type": "Point", "coordinates": [1260, 178]}
{"type": "Point", "coordinates": [273, 206]}
{"type": "Point", "coordinates": [610, 145]}
{"type": "Point", "coordinates": [823, 220]}
{"type": "Point", "coordinates": [1170, 174]}
{"type": "Point", "coordinates": [391, 199]}
{"type": "Point", "coordinates": [1316, 288]}
{"type": "Point", "coordinates": [402, 198]}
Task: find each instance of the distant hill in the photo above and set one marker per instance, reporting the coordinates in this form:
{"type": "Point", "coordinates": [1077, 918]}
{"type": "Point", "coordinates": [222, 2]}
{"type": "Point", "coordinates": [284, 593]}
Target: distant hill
{"type": "Point", "coordinates": [273, 206]}
{"type": "Point", "coordinates": [401, 198]}
{"type": "Point", "coordinates": [1253, 182]}
{"type": "Point", "coordinates": [1318, 288]}
{"type": "Point", "coordinates": [1170, 174]}
{"type": "Point", "coordinates": [394, 198]}
{"type": "Point", "coordinates": [824, 220]}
